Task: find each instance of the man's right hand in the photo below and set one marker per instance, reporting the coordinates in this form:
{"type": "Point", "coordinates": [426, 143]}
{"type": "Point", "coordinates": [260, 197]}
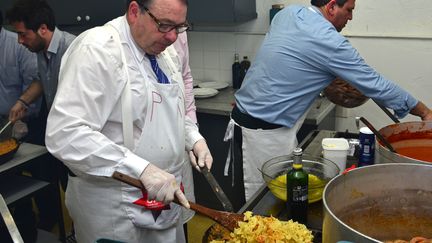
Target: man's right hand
{"type": "Point", "coordinates": [17, 112]}
{"type": "Point", "coordinates": [422, 111]}
{"type": "Point", "coordinates": [162, 186]}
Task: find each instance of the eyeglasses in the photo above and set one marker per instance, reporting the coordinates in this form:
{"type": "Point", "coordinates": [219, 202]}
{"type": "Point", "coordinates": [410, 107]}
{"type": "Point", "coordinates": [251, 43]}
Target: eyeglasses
{"type": "Point", "coordinates": [165, 28]}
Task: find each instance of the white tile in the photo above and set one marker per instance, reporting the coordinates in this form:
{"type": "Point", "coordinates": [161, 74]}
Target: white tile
{"type": "Point", "coordinates": [248, 43]}
{"type": "Point", "coordinates": [211, 59]}
{"type": "Point", "coordinates": [197, 73]}
{"type": "Point", "coordinates": [226, 60]}
{"type": "Point", "coordinates": [227, 42]}
{"type": "Point", "coordinates": [196, 59]}
{"type": "Point", "coordinates": [211, 41]}
{"type": "Point", "coordinates": [225, 76]}
{"type": "Point", "coordinates": [195, 40]}
{"type": "Point", "coordinates": [211, 75]}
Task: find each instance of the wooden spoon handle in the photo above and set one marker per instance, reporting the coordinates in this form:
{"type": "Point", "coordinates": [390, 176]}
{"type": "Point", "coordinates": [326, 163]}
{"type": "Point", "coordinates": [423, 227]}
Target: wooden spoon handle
{"type": "Point", "coordinates": [128, 180]}
{"type": "Point", "coordinates": [388, 113]}
{"type": "Point", "coordinates": [228, 220]}
{"type": "Point", "coordinates": [137, 183]}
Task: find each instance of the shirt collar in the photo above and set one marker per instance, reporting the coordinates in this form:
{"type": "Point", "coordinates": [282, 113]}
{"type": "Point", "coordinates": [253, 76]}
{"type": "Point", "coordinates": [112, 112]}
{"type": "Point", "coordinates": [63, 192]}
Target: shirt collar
{"type": "Point", "coordinates": [127, 35]}
{"type": "Point", "coordinates": [315, 9]}
{"type": "Point", "coordinates": [54, 44]}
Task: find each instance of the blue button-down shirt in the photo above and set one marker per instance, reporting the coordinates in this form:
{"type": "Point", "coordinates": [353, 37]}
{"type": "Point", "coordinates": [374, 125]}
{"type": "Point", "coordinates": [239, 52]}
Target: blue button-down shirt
{"type": "Point", "coordinates": [301, 54]}
{"type": "Point", "coordinates": [49, 64]}
{"type": "Point", "coordinates": [18, 69]}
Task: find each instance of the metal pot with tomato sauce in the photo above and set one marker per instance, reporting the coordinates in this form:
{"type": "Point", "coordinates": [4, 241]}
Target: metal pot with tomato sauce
{"type": "Point", "coordinates": [411, 140]}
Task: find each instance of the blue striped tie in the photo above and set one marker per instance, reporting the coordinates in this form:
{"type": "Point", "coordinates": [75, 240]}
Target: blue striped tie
{"type": "Point", "coordinates": [162, 78]}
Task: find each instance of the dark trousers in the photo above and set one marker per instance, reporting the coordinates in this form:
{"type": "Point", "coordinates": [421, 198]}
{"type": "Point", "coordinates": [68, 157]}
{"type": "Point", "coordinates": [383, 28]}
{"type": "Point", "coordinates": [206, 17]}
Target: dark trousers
{"type": "Point", "coordinates": [185, 232]}
{"type": "Point", "coordinates": [238, 167]}
{"type": "Point", "coordinates": [46, 168]}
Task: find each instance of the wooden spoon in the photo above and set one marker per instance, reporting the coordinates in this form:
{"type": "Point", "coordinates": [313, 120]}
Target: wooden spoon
{"type": "Point", "coordinates": [226, 219]}
{"type": "Point", "coordinates": [388, 113]}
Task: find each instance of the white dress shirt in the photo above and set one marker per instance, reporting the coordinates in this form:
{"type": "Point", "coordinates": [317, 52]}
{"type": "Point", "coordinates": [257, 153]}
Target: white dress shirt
{"type": "Point", "coordinates": [84, 127]}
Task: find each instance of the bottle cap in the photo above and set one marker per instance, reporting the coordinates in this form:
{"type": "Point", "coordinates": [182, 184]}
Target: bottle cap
{"type": "Point", "coordinates": [279, 5]}
{"type": "Point", "coordinates": [297, 151]}
{"type": "Point", "coordinates": [365, 130]}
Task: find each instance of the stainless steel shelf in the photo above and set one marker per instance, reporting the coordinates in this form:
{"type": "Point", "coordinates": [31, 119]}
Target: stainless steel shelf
{"type": "Point", "coordinates": [14, 188]}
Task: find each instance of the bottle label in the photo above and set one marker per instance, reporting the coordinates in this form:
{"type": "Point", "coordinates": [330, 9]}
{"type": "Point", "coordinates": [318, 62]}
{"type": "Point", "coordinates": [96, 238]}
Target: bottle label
{"type": "Point", "coordinates": [367, 149]}
{"type": "Point", "coordinates": [300, 193]}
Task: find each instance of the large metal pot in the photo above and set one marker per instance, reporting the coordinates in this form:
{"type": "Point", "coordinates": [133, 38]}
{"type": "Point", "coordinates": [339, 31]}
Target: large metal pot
{"type": "Point", "coordinates": [379, 202]}
{"type": "Point", "coordinates": [416, 136]}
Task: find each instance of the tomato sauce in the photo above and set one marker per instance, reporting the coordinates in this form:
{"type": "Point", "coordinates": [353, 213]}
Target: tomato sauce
{"type": "Point", "coordinates": [419, 153]}
{"type": "Point", "coordinates": [422, 151]}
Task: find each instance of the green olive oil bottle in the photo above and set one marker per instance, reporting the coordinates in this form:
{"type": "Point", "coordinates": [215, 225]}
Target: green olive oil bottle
{"type": "Point", "coordinates": [297, 189]}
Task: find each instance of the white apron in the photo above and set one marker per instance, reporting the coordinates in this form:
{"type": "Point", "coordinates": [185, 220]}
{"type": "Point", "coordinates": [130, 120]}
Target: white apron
{"type": "Point", "coordinates": [260, 146]}
{"type": "Point", "coordinates": [188, 184]}
{"type": "Point", "coordinates": [102, 207]}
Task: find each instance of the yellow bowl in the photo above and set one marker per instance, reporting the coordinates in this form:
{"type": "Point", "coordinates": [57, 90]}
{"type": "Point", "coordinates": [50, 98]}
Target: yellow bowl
{"type": "Point", "coordinates": [320, 172]}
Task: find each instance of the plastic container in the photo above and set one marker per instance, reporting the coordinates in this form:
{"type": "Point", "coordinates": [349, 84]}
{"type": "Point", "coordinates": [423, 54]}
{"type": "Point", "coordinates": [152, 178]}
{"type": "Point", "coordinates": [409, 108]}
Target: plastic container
{"type": "Point", "coordinates": [336, 150]}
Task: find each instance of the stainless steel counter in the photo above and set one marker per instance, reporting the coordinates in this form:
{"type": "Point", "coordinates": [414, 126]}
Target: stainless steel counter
{"type": "Point", "coordinates": [222, 104]}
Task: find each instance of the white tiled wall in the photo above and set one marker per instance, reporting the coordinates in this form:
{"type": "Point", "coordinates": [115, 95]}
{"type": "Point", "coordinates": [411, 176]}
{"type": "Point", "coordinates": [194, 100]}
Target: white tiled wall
{"type": "Point", "coordinates": [212, 53]}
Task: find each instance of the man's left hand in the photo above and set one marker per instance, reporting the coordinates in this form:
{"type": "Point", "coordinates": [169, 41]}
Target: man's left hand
{"type": "Point", "coordinates": [17, 112]}
{"type": "Point", "coordinates": [201, 152]}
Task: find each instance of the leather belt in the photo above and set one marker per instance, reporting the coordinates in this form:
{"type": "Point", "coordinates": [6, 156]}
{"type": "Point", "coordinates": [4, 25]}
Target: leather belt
{"type": "Point", "coordinates": [251, 122]}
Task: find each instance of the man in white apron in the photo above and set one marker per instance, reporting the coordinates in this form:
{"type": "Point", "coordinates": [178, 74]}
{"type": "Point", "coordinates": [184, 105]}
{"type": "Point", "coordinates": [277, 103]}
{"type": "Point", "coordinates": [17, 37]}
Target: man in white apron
{"type": "Point", "coordinates": [255, 141]}
{"type": "Point", "coordinates": [116, 111]}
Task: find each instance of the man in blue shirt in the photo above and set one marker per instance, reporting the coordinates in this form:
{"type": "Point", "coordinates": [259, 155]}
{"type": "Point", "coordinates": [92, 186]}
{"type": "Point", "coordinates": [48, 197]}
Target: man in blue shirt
{"type": "Point", "coordinates": [35, 24]}
{"type": "Point", "coordinates": [18, 69]}
{"type": "Point", "coordinates": [302, 53]}
{"type": "Point", "coordinates": [34, 21]}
